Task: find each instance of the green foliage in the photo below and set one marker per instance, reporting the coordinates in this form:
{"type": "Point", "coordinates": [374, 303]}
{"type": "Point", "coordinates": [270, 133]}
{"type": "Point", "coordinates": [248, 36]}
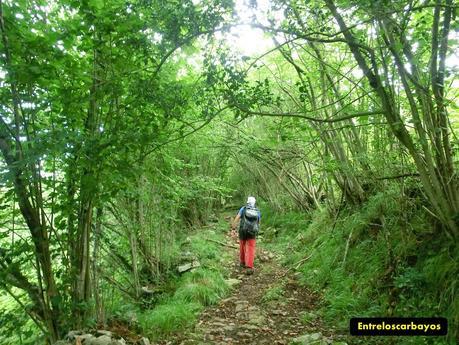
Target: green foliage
{"type": "Point", "coordinates": [385, 271]}
{"type": "Point", "coordinates": [202, 286]}
{"type": "Point", "coordinates": [285, 231]}
{"type": "Point", "coordinates": [205, 250]}
{"type": "Point", "coordinates": [439, 272]}
{"type": "Point", "coordinates": [126, 125]}
{"type": "Point", "coordinates": [120, 309]}
{"type": "Point", "coordinates": [189, 293]}
{"type": "Point", "coordinates": [12, 318]}
{"type": "Point", "coordinates": [208, 251]}
{"type": "Point", "coordinates": [167, 318]}
{"type": "Point", "coordinates": [308, 317]}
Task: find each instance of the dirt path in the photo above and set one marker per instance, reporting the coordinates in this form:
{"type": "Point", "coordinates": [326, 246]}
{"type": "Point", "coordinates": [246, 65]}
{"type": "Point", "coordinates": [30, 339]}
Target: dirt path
{"type": "Point", "coordinates": [268, 307]}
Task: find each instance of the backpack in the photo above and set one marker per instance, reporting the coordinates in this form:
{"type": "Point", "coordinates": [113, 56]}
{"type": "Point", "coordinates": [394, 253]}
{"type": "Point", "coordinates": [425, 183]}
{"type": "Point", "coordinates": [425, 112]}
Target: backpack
{"type": "Point", "coordinates": [249, 221]}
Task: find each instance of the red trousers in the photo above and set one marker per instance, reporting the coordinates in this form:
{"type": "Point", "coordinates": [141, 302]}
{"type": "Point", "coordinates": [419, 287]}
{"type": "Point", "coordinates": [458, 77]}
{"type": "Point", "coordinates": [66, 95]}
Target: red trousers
{"type": "Point", "coordinates": [247, 252]}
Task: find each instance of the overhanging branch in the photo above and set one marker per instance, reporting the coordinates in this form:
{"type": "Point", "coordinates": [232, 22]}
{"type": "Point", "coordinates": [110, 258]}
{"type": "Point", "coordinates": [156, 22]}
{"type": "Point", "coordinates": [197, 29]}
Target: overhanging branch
{"type": "Point", "coordinates": [310, 118]}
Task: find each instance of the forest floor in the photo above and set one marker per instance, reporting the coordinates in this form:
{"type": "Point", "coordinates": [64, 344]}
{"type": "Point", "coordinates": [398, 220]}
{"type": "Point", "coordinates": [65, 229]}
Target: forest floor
{"type": "Point", "coordinates": [268, 307]}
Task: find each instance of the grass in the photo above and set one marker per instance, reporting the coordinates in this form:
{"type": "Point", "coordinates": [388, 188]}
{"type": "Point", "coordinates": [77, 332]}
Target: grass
{"type": "Point", "coordinates": [179, 309]}
{"type": "Point", "coordinates": [169, 317]}
{"type": "Point", "coordinates": [193, 290]}
{"type": "Point", "coordinates": [395, 264]}
{"type": "Point", "coordinates": [308, 317]}
{"type": "Point", "coordinates": [274, 293]}
{"type": "Point", "coordinates": [202, 286]}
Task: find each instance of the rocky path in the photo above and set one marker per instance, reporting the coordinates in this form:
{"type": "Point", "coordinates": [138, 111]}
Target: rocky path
{"type": "Point", "coordinates": [268, 307]}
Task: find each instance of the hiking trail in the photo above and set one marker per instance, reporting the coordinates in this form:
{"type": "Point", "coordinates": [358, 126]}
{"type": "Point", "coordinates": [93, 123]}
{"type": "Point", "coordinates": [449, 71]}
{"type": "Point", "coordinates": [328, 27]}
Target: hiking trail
{"type": "Point", "coordinates": [268, 307]}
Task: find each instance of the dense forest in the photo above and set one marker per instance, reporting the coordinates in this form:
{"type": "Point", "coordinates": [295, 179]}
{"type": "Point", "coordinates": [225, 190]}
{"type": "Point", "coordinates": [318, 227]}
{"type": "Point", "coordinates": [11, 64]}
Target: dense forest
{"type": "Point", "coordinates": [130, 131]}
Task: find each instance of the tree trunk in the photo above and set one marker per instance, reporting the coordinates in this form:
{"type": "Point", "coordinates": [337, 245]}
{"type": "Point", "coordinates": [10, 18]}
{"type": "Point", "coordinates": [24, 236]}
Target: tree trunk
{"type": "Point", "coordinates": [100, 317]}
{"type": "Point", "coordinates": [433, 160]}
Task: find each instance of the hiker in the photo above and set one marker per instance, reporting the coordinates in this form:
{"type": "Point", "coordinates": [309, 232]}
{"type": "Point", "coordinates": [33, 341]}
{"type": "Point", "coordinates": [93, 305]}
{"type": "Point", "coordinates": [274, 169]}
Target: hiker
{"type": "Point", "coordinates": [249, 224]}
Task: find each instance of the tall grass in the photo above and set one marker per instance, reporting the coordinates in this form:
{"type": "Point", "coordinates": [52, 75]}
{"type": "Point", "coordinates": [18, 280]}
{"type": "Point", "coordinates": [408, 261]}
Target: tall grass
{"type": "Point", "coordinates": [203, 286]}
{"type": "Point", "coordinates": [193, 290]}
{"type": "Point", "coordinates": [171, 316]}
{"type": "Point", "coordinates": [394, 264]}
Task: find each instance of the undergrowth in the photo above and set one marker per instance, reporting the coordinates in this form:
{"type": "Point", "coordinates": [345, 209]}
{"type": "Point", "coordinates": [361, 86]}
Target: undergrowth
{"type": "Point", "coordinates": [202, 286]}
{"type": "Point", "coordinates": [384, 258]}
{"type": "Point", "coordinates": [187, 294]}
{"type": "Point", "coordinates": [169, 317]}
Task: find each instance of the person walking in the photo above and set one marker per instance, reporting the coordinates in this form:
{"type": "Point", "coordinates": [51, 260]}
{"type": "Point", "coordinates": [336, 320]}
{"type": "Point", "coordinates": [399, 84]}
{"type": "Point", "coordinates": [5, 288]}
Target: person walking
{"type": "Point", "coordinates": [249, 224]}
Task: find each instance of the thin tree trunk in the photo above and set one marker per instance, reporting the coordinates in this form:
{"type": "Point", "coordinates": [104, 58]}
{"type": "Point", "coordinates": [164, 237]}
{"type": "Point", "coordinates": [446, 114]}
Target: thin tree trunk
{"type": "Point", "coordinates": [99, 306]}
{"type": "Point", "coordinates": [439, 182]}
{"type": "Point", "coordinates": [26, 193]}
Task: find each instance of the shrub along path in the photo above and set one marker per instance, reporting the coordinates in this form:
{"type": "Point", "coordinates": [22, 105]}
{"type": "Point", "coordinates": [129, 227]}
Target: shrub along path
{"type": "Point", "coordinates": [268, 307]}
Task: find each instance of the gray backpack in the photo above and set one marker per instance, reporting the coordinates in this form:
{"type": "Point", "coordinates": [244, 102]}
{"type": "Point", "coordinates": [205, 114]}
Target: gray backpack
{"type": "Point", "coordinates": [249, 221]}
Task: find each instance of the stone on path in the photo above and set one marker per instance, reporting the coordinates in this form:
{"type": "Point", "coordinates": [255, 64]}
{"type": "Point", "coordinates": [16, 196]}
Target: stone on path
{"type": "Point", "coordinates": [188, 266]}
{"type": "Point", "coordinates": [241, 306]}
{"type": "Point", "coordinates": [230, 328]}
{"type": "Point", "coordinates": [144, 341]}
{"type": "Point", "coordinates": [72, 334]}
{"type": "Point", "coordinates": [310, 339]}
{"type": "Point", "coordinates": [218, 324]}
{"type": "Point", "coordinates": [250, 327]}
{"type": "Point", "coordinates": [315, 339]}
{"type": "Point", "coordinates": [256, 319]}
{"type": "Point", "coordinates": [119, 342]}
{"type": "Point", "coordinates": [243, 335]}
{"type": "Point", "coordinates": [103, 337]}
{"type": "Point", "coordinates": [102, 340]}
{"type": "Point", "coordinates": [86, 338]}
{"type": "Point", "coordinates": [104, 332]}
{"type": "Point", "coordinates": [232, 282]}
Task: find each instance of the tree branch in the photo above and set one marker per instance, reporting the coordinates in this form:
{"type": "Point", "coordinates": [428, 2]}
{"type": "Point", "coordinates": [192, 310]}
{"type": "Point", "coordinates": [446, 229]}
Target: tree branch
{"type": "Point", "coordinates": [302, 116]}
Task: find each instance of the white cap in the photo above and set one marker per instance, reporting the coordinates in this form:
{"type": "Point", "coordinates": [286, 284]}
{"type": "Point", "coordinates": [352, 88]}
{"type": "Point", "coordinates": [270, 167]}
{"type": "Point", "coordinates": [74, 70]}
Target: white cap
{"type": "Point", "coordinates": [251, 201]}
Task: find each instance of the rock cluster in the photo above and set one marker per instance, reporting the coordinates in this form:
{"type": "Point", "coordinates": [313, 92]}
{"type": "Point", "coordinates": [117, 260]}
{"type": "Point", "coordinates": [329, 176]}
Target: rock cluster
{"type": "Point", "coordinates": [189, 261]}
{"type": "Point", "coordinates": [100, 337]}
{"type": "Point", "coordinates": [315, 339]}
